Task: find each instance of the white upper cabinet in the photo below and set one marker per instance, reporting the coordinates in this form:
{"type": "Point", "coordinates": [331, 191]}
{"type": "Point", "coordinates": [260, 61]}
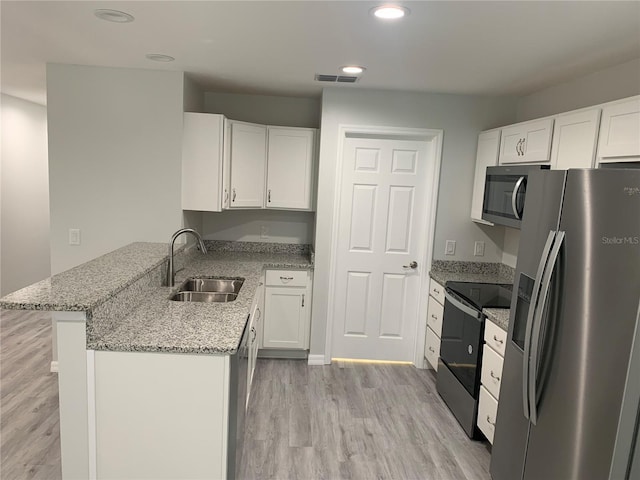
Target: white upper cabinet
{"type": "Point", "coordinates": [486, 156]}
{"type": "Point", "coordinates": [527, 142]}
{"type": "Point", "coordinates": [620, 131]}
{"type": "Point", "coordinates": [202, 162]}
{"type": "Point", "coordinates": [575, 136]}
{"type": "Point", "coordinates": [290, 168]}
{"type": "Point", "coordinates": [248, 159]}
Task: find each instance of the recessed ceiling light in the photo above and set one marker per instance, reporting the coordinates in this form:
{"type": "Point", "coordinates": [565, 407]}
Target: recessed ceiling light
{"type": "Point", "coordinates": [159, 57]}
{"type": "Point", "coordinates": [353, 69]}
{"type": "Point", "coordinates": [390, 12]}
{"type": "Point", "coordinates": [113, 15]}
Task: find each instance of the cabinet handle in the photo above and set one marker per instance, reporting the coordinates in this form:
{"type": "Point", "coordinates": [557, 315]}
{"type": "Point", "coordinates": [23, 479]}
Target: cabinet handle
{"type": "Point", "coordinates": [259, 313]}
{"type": "Point", "coordinates": [269, 196]}
{"type": "Point", "coordinates": [431, 349]}
{"type": "Point", "coordinates": [523, 146]}
{"type": "Point", "coordinates": [493, 424]}
{"type": "Point", "coordinates": [498, 340]}
{"type": "Point", "coordinates": [437, 291]}
{"type": "Point", "coordinates": [303, 299]}
{"type": "Point", "coordinates": [286, 279]}
{"type": "Point", "coordinates": [234, 195]}
{"type": "Point", "coordinates": [497, 379]}
{"type": "Point", "coordinates": [518, 147]}
{"type": "Point", "coordinates": [434, 317]}
{"type": "Point", "coordinates": [255, 334]}
{"type": "Point", "coordinates": [226, 196]}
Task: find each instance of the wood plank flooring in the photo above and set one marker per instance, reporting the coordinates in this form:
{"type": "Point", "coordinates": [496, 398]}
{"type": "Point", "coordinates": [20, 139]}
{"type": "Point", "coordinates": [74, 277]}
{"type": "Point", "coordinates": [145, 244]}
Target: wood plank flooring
{"type": "Point", "coordinates": [343, 421]}
{"type": "Point", "coordinates": [29, 418]}
{"type": "Point", "coordinates": [354, 421]}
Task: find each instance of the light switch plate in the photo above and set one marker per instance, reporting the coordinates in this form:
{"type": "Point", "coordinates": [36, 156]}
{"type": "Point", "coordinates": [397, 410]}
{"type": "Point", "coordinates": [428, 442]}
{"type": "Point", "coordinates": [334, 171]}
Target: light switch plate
{"type": "Point", "coordinates": [478, 249]}
{"type": "Point", "coordinates": [450, 247]}
{"type": "Point", "coordinates": [74, 236]}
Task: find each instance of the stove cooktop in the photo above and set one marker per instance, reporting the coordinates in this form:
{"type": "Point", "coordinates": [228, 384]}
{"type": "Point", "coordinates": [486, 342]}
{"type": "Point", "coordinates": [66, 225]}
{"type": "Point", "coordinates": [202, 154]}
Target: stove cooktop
{"type": "Point", "coordinates": [483, 295]}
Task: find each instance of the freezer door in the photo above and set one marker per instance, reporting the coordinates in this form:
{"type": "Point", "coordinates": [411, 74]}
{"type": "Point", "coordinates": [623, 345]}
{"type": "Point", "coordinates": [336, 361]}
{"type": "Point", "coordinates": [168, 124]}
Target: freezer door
{"type": "Point", "coordinates": [542, 210]}
{"type": "Point", "coordinates": [586, 346]}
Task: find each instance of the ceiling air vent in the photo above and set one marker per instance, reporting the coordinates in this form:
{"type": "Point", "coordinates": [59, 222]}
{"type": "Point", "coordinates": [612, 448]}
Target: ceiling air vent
{"type": "Point", "coordinates": [336, 78]}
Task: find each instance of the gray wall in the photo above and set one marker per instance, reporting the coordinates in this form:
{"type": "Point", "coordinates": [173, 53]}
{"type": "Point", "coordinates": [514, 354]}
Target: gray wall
{"type": "Point", "coordinates": [246, 225]}
{"type": "Point", "coordinates": [24, 195]}
{"type": "Point", "coordinates": [602, 86]}
{"type": "Point", "coordinates": [461, 118]}
{"type": "Point", "coordinates": [115, 140]}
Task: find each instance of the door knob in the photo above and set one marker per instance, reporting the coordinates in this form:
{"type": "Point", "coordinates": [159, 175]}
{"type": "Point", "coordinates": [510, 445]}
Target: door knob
{"type": "Point", "coordinates": [413, 264]}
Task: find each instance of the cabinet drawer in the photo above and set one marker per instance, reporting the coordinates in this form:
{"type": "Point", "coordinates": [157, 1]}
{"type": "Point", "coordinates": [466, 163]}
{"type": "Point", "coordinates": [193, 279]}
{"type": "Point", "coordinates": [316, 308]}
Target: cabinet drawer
{"type": "Point", "coordinates": [432, 349]}
{"type": "Point", "coordinates": [434, 316]}
{"type": "Point", "coordinates": [436, 291]}
{"type": "Point", "coordinates": [495, 337]}
{"type": "Point", "coordinates": [286, 278]}
{"type": "Point", "coordinates": [491, 374]}
{"type": "Point", "coordinates": [487, 410]}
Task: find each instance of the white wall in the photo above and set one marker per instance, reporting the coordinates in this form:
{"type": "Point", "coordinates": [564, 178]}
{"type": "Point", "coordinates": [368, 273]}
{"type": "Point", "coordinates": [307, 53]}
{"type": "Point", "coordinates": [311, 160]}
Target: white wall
{"type": "Point", "coordinates": [114, 158]}
{"type": "Point", "coordinates": [616, 82]}
{"type": "Point", "coordinates": [266, 109]}
{"type": "Point", "coordinates": [461, 118]}
{"type": "Point", "coordinates": [510, 246]}
{"type": "Point", "coordinates": [24, 249]}
{"type": "Point", "coordinates": [247, 226]}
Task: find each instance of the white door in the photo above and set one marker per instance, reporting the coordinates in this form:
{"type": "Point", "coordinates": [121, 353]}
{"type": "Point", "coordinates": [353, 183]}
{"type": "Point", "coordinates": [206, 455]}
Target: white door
{"type": "Point", "coordinates": [382, 213]}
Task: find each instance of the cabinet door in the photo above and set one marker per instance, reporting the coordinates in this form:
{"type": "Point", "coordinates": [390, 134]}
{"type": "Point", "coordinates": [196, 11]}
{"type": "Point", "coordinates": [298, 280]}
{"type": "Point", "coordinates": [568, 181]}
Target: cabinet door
{"type": "Point", "coordinates": [486, 156]}
{"type": "Point", "coordinates": [432, 349]}
{"type": "Point", "coordinates": [290, 164]}
{"type": "Point", "coordinates": [226, 165]}
{"type": "Point", "coordinates": [620, 131]}
{"type": "Point", "coordinates": [202, 162]}
{"type": "Point", "coordinates": [286, 318]}
{"type": "Point", "coordinates": [248, 160]}
{"type": "Point", "coordinates": [528, 142]}
{"type": "Point", "coordinates": [574, 140]}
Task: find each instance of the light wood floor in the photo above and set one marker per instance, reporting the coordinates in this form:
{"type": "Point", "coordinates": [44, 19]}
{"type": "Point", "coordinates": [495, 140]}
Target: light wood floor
{"type": "Point", "coordinates": [29, 420]}
{"type": "Point", "coordinates": [354, 421]}
{"type": "Point", "coordinates": [350, 421]}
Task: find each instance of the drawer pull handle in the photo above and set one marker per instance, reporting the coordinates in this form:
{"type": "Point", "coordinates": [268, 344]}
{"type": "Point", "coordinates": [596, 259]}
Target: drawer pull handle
{"type": "Point", "coordinates": [255, 334]}
{"type": "Point", "coordinates": [286, 279]}
{"type": "Point", "coordinates": [431, 349]}
{"type": "Point", "coordinates": [303, 299]}
{"type": "Point", "coordinates": [437, 291]}
{"type": "Point", "coordinates": [498, 340]}
{"type": "Point", "coordinates": [497, 379]}
{"type": "Point", "coordinates": [234, 195]}
{"type": "Point", "coordinates": [434, 316]}
{"type": "Point", "coordinates": [493, 424]}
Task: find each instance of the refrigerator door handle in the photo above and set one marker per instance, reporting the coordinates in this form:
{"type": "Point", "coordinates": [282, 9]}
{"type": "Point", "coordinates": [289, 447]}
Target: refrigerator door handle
{"type": "Point", "coordinates": [532, 309]}
{"type": "Point", "coordinates": [537, 327]}
{"type": "Point", "coordinates": [514, 197]}
{"type": "Point", "coordinates": [461, 306]}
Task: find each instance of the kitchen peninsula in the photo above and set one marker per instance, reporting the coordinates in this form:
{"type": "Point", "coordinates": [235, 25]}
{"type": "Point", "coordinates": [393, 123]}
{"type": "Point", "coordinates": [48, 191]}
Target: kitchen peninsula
{"type": "Point", "coordinates": [151, 387]}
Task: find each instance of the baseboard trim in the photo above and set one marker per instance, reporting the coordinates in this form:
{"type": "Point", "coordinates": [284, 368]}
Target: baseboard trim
{"type": "Point", "coordinates": [316, 360]}
{"type": "Point", "coordinates": [54, 367]}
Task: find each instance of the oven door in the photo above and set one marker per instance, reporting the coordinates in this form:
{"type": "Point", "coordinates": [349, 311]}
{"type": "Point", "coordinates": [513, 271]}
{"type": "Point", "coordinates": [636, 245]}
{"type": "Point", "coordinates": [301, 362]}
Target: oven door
{"type": "Point", "coordinates": [461, 347]}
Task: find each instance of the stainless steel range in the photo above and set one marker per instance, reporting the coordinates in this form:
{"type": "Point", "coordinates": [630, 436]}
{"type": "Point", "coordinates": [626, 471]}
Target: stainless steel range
{"type": "Point", "coordinates": [461, 347]}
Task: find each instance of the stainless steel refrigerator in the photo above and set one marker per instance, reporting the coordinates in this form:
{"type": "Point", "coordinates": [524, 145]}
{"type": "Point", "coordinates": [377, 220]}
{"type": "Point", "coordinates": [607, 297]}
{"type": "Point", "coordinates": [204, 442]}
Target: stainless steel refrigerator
{"type": "Point", "coordinates": [570, 396]}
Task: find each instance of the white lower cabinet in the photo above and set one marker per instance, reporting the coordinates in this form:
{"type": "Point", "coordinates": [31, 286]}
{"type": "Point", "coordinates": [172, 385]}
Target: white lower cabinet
{"type": "Point", "coordinates": [490, 378]}
{"type": "Point", "coordinates": [487, 412]}
{"type": "Point", "coordinates": [287, 309]}
{"type": "Point", "coordinates": [435, 313]}
{"type": "Point", "coordinates": [255, 327]}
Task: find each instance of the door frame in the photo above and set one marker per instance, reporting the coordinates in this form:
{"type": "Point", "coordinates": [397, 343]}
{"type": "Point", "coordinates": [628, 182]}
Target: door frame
{"type": "Point", "coordinates": [435, 138]}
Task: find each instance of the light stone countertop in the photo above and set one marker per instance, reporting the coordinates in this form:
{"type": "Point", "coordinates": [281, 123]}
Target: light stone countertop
{"type": "Point", "coordinates": [127, 311]}
{"type": "Point", "coordinates": [477, 272]}
{"type": "Point", "coordinates": [162, 325]}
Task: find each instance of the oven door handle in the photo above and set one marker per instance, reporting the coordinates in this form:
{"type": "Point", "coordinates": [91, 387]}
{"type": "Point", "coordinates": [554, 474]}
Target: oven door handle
{"type": "Point", "coordinates": [461, 306]}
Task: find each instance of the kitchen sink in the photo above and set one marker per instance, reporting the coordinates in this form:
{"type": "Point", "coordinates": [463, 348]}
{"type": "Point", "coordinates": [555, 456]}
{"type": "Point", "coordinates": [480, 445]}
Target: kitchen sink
{"type": "Point", "coordinates": [208, 297]}
{"type": "Point", "coordinates": [207, 289]}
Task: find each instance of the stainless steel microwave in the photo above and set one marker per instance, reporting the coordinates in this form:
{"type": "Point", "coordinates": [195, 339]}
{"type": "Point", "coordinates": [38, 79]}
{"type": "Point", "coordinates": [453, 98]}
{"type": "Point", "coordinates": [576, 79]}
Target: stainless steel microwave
{"type": "Point", "coordinates": [505, 189]}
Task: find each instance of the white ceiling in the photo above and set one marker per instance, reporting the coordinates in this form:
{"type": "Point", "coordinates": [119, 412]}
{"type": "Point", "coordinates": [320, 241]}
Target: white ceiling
{"type": "Point", "coordinates": [268, 47]}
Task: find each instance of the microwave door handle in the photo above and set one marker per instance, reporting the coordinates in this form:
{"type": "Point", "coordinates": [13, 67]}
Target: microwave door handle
{"type": "Point", "coordinates": [537, 327]}
{"type": "Point", "coordinates": [514, 197]}
{"type": "Point", "coordinates": [458, 304]}
{"type": "Point", "coordinates": [532, 309]}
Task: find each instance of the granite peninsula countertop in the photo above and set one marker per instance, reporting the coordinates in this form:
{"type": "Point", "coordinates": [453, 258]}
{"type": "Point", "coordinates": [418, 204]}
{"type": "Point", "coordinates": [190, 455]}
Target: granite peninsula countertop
{"type": "Point", "coordinates": [455, 271]}
{"type": "Point", "coordinates": [127, 310]}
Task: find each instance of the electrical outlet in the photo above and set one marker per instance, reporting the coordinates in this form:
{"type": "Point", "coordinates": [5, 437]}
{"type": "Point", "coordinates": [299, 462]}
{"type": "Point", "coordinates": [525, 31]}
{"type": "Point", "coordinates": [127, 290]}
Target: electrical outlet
{"type": "Point", "coordinates": [74, 236]}
{"type": "Point", "coordinates": [478, 249]}
{"type": "Point", "coordinates": [450, 248]}
{"type": "Point", "coordinates": [264, 232]}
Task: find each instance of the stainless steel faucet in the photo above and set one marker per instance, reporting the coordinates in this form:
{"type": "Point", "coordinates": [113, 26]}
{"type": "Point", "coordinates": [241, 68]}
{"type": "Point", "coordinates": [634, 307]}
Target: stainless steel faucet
{"type": "Point", "coordinates": [170, 273]}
